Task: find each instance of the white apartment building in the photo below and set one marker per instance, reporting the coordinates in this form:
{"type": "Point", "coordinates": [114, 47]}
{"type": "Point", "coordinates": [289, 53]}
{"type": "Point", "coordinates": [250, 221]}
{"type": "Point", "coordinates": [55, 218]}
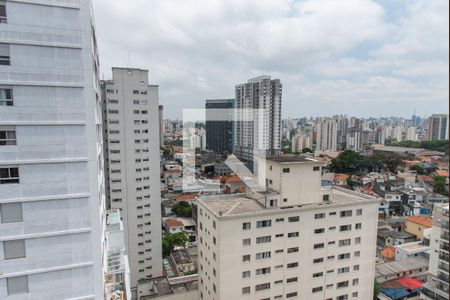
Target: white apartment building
{"type": "Point", "coordinates": [51, 163]}
{"type": "Point", "coordinates": [326, 134]}
{"type": "Point", "coordinates": [131, 121]}
{"type": "Point", "coordinates": [295, 241]}
{"type": "Point", "coordinates": [437, 286]}
{"type": "Point", "coordinates": [254, 130]}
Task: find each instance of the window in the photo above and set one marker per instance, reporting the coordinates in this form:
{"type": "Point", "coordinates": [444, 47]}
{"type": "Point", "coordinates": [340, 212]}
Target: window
{"type": "Point", "coordinates": [343, 297]}
{"type": "Point", "coordinates": [246, 226]}
{"type": "Point", "coordinates": [345, 228]}
{"type": "Point", "coordinates": [343, 270]}
{"type": "Point", "coordinates": [319, 246]}
{"type": "Point", "coordinates": [317, 289]}
{"type": "Point", "coordinates": [326, 198]}
{"type": "Point", "coordinates": [315, 169]}
{"type": "Point", "coordinates": [359, 226]}
{"type": "Point", "coordinates": [291, 295]}
{"type": "Point", "coordinates": [294, 219]}
{"type": "Point", "coordinates": [342, 284]}
{"type": "Point", "coordinates": [135, 92]}
{"type": "Point", "coordinates": [17, 285]}
{"type": "Point", "coordinates": [246, 258]}
{"type": "Point", "coordinates": [263, 255]}
{"type": "Point", "coordinates": [246, 242]}
{"type": "Point", "coordinates": [292, 265]}
{"type": "Point", "coordinates": [293, 235]}
{"type": "Point", "coordinates": [357, 240]}
{"type": "Point", "coordinates": [14, 249]}
{"type": "Point", "coordinates": [113, 111]}
{"type": "Point", "coordinates": [292, 250]}
{"type": "Point", "coordinates": [318, 260]}
{"type": "Point", "coordinates": [6, 96]}
{"type": "Point", "coordinates": [319, 231]}
{"type": "Point", "coordinates": [4, 55]}
{"type": "Point", "coordinates": [11, 212]}
{"type": "Point", "coordinates": [286, 170]}
{"type": "Point", "coordinates": [280, 220]}
{"type": "Point", "coordinates": [359, 212]}
{"type": "Point", "coordinates": [263, 224]}
{"type": "Point", "coordinates": [262, 271]}
{"type": "Point", "coordinates": [319, 216]}
{"type": "Point", "coordinates": [263, 239]}
{"type": "Point", "coordinates": [357, 254]}
{"type": "Point", "coordinates": [317, 275]}
{"type": "Point", "coordinates": [261, 287]}
{"type": "Point", "coordinates": [246, 274]}
{"type": "Point", "coordinates": [356, 268]}
{"type": "Point", "coordinates": [9, 175]}
{"type": "Point", "coordinates": [344, 256]}
{"type": "Point", "coordinates": [355, 281]}
{"type": "Point", "coordinates": [2, 12]}
{"type": "Point", "coordinates": [292, 280]}
{"type": "Point", "coordinates": [246, 290]}
{"type": "Point", "coordinates": [346, 213]}
{"type": "Point", "coordinates": [346, 242]}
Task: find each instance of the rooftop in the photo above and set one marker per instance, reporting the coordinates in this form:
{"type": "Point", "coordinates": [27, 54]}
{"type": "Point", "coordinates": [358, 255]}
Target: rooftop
{"type": "Point", "coordinates": [292, 159]}
{"type": "Point", "coordinates": [400, 266]}
{"type": "Point", "coordinates": [243, 204]}
{"type": "Point", "coordinates": [421, 220]}
{"type": "Point", "coordinates": [181, 257]}
{"type": "Point", "coordinates": [388, 252]}
{"type": "Point", "coordinates": [395, 234]}
{"type": "Point", "coordinates": [173, 223]}
{"type": "Point", "coordinates": [413, 247]}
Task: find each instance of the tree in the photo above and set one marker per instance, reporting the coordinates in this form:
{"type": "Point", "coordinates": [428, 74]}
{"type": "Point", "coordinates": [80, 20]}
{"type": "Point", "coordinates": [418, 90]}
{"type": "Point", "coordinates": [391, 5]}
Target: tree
{"type": "Point", "coordinates": [172, 240]}
{"type": "Point", "coordinates": [183, 209]}
{"type": "Point", "coordinates": [307, 150]}
{"type": "Point", "coordinates": [440, 183]}
{"type": "Point", "coordinates": [347, 161]}
{"type": "Point", "coordinates": [376, 290]}
{"type": "Point", "coordinates": [393, 162]}
{"type": "Point", "coordinates": [419, 169]}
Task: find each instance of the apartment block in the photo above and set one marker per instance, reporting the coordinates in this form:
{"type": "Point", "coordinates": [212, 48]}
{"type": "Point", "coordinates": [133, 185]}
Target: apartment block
{"type": "Point", "coordinates": [294, 241]}
{"type": "Point", "coordinates": [438, 127]}
{"type": "Point", "coordinates": [255, 130]}
{"type": "Point", "coordinates": [132, 136]}
{"type": "Point", "coordinates": [327, 135]}
{"type": "Point", "coordinates": [51, 163]}
{"type": "Point", "coordinates": [220, 125]}
{"type": "Point", "coordinates": [437, 286]}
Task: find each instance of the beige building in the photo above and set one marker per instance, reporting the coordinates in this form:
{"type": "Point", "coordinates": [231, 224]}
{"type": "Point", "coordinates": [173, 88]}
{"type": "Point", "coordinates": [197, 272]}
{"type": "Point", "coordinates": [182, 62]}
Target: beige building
{"type": "Point", "coordinates": [295, 241]}
{"type": "Point", "coordinates": [418, 225]}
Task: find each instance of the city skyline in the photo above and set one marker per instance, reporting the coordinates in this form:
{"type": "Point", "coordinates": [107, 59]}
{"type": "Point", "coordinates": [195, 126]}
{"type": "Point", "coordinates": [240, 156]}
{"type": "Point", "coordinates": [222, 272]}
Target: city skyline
{"type": "Point", "coordinates": [398, 62]}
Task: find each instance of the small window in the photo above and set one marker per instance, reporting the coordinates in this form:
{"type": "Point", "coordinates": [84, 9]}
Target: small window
{"type": "Point", "coordinates": [14, 249]}
{"type": "Point", "coordinates": [317, 289]}
{"type": "Point", "coordinates": [5, 59]}
{"type": "Point", "coordinates": [7, 136]}
{"type": "Point", "coordinates": [359, 212]}
{"type": "Point", "coordinates": [246, 274]}
{"type": "Point", "coordinates": [319, 216]}
{"type": "Point", "coordinates": [17, 285]}
{"type": "Point", "coordinates": [316, 169]}
{"type": "Point", "coordinates": [286, 170]}
{"type": "Point", "coordinates": [246, 226]}
{"type": "Point", "coordinates": [3, 12]}
{"type": "Point", "coordinates": [9, 175]}
{"type": "Point", "coordinates": [11, 212]}
{"type": "Point", "coordinates": [264, 224]}
{"type": "Point", "coordinates": [246, 290]}
{"type": "Point", "coordinates": [135, 92]}
{"type": "Point", "coordinates": [6, 96]}
{"type": "Point", "coordinates": [294, 219]}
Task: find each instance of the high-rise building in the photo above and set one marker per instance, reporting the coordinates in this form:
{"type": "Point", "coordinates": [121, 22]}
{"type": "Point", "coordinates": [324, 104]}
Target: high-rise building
{"type": "Point", "coordinates": [220, 125]}
{"type": "Point", "coordinates": [411, 134]}
{"type": "Point", "coordinates": [161, 125]}
{"type": "Point", "coordinates": [437, 286]}
{"type": "Point", "coordinates": [438, 127]}
{"type": "Point", "coordinates": [132, 144]}
{"type": "Point", "coordinates": [295, 241]}
{"type": "Point", "coordinates": [397, 133]}
{"type": "Point", "coordinates": [326, 131]}
{"type": "Point", "coordinates": [354, 139]}
{"type": "Point", "coordinates": [51, 163]}
{"type": "Point", "coordinates": [301, 141]}
{"type": "Point", "coordinates": [256, 130]}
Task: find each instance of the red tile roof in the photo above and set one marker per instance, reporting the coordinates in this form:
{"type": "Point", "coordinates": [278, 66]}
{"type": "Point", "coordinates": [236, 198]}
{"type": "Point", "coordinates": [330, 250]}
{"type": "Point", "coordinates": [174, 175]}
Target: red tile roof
{"type": "Point", "coordinates": [173, 223]}
{"type": "Point", "coordinates": [186, 197]}
{"type": "Point", "coordinates": [442, 173]}
{"type": "Point", "coordinates": [421, 220]}
{"type": "Point", "coordinates": [340, 176]}
{"type": "Point", "coordinates": [388, 253]}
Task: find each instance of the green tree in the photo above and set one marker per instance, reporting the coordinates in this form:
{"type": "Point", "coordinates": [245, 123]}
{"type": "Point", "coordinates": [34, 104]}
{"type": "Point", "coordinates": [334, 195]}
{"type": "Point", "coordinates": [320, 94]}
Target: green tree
{"type": "Point", "coordinates": [183, 209]}
{"type": "Point", "coordinates": [347, 161]}
{"type": "Point", "coordinates": [376, 290]}
{"type": "Point", "coordinates": [393, 162]}
{"type": "Point", "coordinates": [172, 240]}
{"type": "Point", "coordinates": [440, 183]}
{"type": "Point", "coordinates": [307, 150]}
{"type": "Point", "coordinates": [419, 169]}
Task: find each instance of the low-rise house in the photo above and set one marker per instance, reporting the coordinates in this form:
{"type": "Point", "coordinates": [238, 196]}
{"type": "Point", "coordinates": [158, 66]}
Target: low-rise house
{"type": "Point", "coordinates": [163, 288]}
{"type": "Point", "coordinates": [173, 179]}
{"type": "Point", "coordinates": [418, 225]}
{"type": "Point", "coordinates": [234, 184]}
{"type": "Point", "coordinates": [413, 249]}
{"type": "Point", "coordinates": [173, 225]}
{"type": "Point", "coordinates": [410, 267]}
{"type": "Point", "coordinates": [186, 225]}
{"type": "Point", "coordinates": [387, 238]}
{"type": "Point", "coordinates": [340, 179]}
{"type": "Point", "coordinates": [166, 206]}
{"type": "Point", "coordinates": [402, 288]}
{"type": "Point", "coordinates": [222, 170]}
{"type": "Point", "coordinates": [183, 262]}
{"type": "Point", "coordinates": [388, 254]}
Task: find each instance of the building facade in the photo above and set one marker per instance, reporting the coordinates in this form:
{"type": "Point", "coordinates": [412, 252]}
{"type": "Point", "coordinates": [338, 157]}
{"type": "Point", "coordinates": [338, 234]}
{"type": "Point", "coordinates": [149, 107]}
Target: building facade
{"type": "Point", "coordinates": [438, 127]}
{"type": "Point", "coordinates": [132, 144]}
{"type": "Point", "coordinates": [437, 286]}
{"type": "Point", "coordinates": [256, 130]}
{"type": "Point", "coordinates": [296, 240]}
{"type": "Point", "coordinates": [326, 135]}
{"type": "Point", "coordinates": [51, 163]}
{"type": "Point", "coordinates": [220, 125]}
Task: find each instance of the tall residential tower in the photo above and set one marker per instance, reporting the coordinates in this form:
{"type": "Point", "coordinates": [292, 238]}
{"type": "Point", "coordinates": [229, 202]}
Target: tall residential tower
{"type": "Point", "coordinates": [51, 163]}
{"type": "Point", "coordinates": [131, 121]}
{"type": "Point", "coordinates": [220, 125]}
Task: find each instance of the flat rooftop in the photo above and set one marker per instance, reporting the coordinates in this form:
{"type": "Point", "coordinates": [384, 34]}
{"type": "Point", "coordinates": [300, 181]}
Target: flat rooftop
{"type": "Point", "coordinates": [414, 247]}
{"type": "Point", "coordinates": [242, 204]}
{"type": "Point", "coordinates": [292, 159]}
{"type": "Point", "coordinates": [400, 266]}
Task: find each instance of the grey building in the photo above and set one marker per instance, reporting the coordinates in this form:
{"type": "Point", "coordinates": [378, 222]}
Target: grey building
{"type": "Point", "coordinates": [438, 127]}
{"type": "Point", "coordinates": [220, 125]}
{"type": "Point", "coordinates": [253, 130]}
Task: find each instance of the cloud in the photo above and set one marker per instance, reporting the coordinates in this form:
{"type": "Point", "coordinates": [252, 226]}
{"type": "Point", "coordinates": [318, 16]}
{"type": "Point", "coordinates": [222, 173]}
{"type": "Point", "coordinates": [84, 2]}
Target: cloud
{"type": "Point", "coordinates": [199, 49]}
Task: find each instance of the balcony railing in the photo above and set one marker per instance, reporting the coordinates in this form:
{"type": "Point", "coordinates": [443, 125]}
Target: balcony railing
{"type": "Point", "coordinates": [444, 236]}
{"type": "Point", "coordinates": [443, 266]}
{"type": "Point", "coordinates": [444, 256]}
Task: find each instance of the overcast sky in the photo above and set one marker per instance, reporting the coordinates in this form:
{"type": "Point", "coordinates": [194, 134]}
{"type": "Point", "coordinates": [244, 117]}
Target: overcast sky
{"type": "Point", "coordinates": [354, 57]}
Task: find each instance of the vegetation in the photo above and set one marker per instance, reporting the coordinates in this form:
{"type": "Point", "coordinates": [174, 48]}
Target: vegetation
{"type": "Point", "coordinates": [352, 162]}
{"type": "Point", "coordinates": [307, 150]}
{"type": "Point", "coordinates": [172, 240]}
{"type": "Point", "coordinates": [440, 183]}
{"type": "Point", "coordinates": [183, 209]}
{"type": "Point", "coordinates": [376, 290]}
{"type": "Point", "coordinates": [441, 146]}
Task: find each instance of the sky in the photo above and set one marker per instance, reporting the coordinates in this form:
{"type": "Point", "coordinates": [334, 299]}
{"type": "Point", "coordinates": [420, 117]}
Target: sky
{"type": "Point", "coordinates": [366, 58]}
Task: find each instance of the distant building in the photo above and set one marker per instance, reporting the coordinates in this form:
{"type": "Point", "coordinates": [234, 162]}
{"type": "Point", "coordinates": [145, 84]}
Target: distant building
{"type": "Point", "coordinates": [220, 125]}
{"type": "Point", "coordinates": [418, 225]}
{"type": "Point", "coordinates": [161, 125]}
{"type": "Point", "coordinates": [326, 135]}
{"type": "Point", "coordinates": [438, 127]}
{"type": "Point", "coordinates": [253, 130]}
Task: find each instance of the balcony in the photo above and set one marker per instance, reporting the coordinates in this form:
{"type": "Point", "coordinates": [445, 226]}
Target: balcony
{"type": "Point", "coordinates": [442, 276]}
{"type": "Point", "coordinates": [444, 236]}
{"type": "Point", "coordinates": [444, 246]}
